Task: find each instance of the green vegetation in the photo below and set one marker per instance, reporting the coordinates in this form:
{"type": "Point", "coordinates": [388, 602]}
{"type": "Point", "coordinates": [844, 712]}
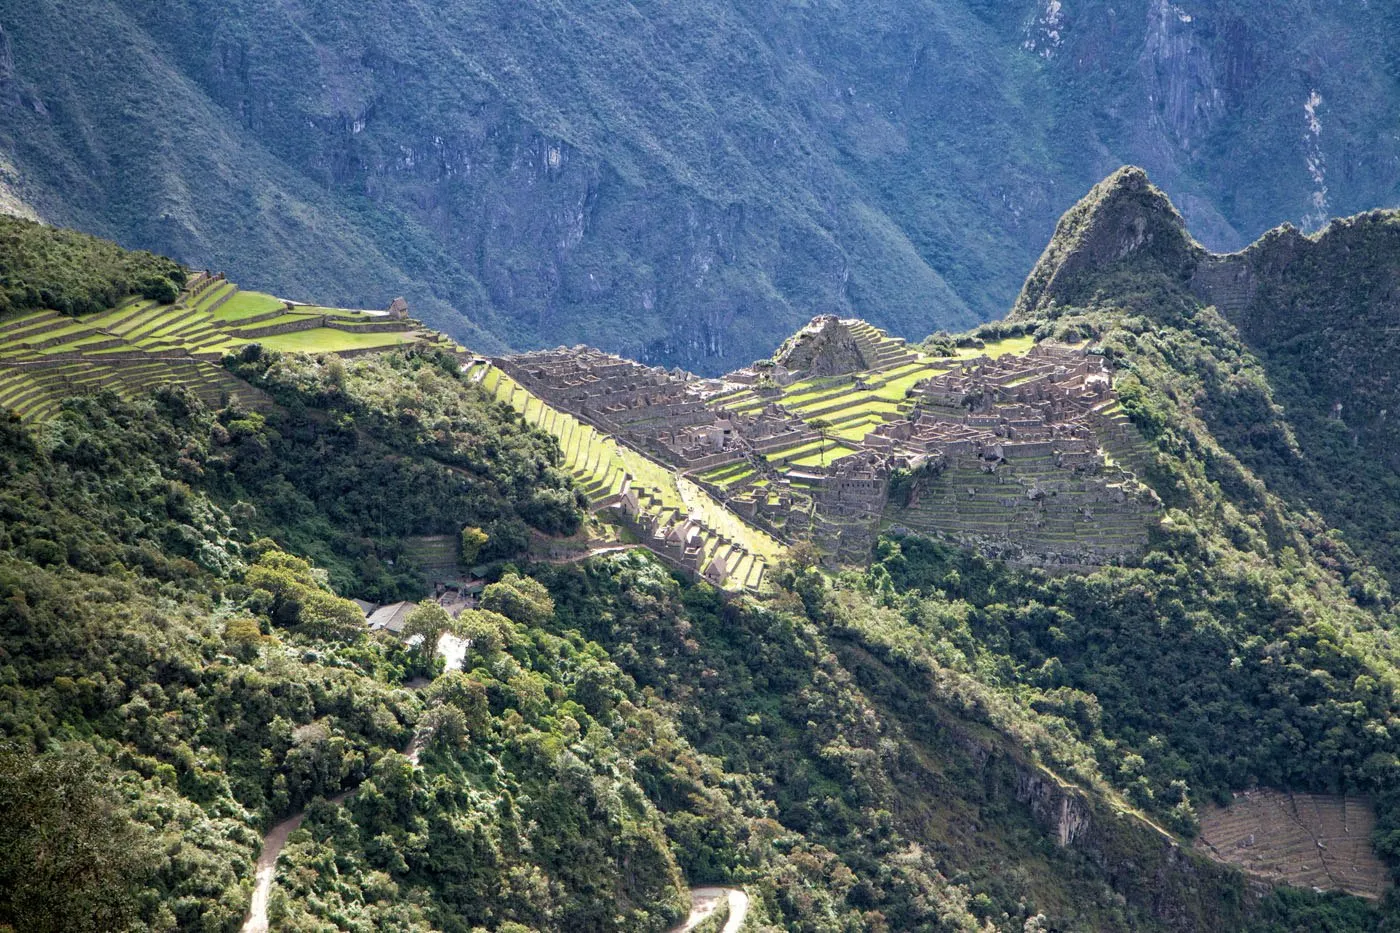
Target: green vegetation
{"type": "Point", "coordinates": [325, 340]}
{"type": "Point", "coordinates": [935, 742]}
{"type": "Point", "coordinates": [1321, 326]}
{"type": "Point", "coordinates": [45, 268]}
{"type": "Point", "coordinates": [245, 305]}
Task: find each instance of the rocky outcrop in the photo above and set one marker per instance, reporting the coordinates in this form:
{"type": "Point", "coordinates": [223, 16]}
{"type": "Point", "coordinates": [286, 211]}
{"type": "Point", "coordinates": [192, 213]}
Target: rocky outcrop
{"type": "Point", "coordinates": [1062, 810]}
{"type": "Point", "coordinates": [825, 347]}
{"type": "Point", "coordinates": [1145, 866]}
{"type": "Point", "coordinates": [1321, 311]}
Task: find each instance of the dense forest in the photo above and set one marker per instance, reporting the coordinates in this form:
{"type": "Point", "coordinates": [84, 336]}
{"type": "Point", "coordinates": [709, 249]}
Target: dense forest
{"type": "Point", "coordinates": [935, 742]}
{"type": "Point", "coordinates": [75, 273]}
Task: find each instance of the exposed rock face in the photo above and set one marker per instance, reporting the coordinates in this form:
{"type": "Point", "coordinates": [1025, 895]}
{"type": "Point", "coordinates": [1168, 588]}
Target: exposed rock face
{"type": "Point", "coordinates": [1061, 809]}
{"type": "Point", "coordinates": [824, 347]}
{"type": "Point", "coordinates": [679, 187]}
{"type": "Point", "coordinates": [1144, 865]}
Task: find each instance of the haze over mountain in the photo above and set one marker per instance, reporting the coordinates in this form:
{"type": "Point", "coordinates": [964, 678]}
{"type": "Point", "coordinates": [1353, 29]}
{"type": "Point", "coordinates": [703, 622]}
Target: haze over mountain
{"type": "Point", "coordinates": [686, 183]}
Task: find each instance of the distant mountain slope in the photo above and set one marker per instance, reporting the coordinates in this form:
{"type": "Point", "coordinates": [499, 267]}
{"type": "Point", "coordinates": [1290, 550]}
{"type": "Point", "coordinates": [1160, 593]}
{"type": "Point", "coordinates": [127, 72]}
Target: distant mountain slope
{"type": "Point", "coordinates": [678, 184]}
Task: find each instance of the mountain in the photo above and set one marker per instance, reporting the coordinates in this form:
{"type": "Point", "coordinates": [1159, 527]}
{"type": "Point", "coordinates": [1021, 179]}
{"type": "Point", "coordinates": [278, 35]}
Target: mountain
{"type": "Point", "coordinates": [1188, 727]}
{"type": "Point", "coordinates": [1318, 314]}
{"type": "Point", "coordinates": [683, 186]}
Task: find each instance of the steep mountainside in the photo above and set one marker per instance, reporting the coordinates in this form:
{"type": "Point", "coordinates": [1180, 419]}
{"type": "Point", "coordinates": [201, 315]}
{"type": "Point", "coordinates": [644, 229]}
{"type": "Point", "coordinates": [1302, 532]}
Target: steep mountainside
{"type": "Point", "coordinates": [682, 185]}
{"type": "Point", "coordinates": [1320, 313]}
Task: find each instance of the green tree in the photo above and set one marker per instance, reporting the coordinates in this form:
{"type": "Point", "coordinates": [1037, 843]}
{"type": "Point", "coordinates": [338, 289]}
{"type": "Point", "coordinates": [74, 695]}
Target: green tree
{"type": "Point", "coordinates": [325, 615]}
{"type": "Point", "coordinates": [427, 622]}
{"type": "Point", "coordinates": [71, 858]}
{"type": "Point", "coordinates": [473, 539]}
{"type": "Point", "coordinates": [519, 598]}
{"type": "Point", "coordinates": [823, 429]}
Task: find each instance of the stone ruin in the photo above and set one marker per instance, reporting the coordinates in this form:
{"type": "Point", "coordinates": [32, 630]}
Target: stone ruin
{"type": "Point", "coordinates": [1013, 461]}
{"type": "Point", "coordinates": [1025, 458]}
{"type": "Point", "coordinates": [647, 404]}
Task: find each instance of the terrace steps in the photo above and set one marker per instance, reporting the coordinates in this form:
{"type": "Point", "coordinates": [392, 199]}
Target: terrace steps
{"type": "Point", "coordinates": [29, 320]}
{"type": "Point", "coordinates": [606, 471]}
{"type": "Point", "coordinates": [879, 349]}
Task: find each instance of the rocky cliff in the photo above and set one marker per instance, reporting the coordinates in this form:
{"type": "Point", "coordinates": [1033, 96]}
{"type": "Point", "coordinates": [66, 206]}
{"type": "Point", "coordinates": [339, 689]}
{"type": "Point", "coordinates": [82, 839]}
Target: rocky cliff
{"type": "Point", "coordinates": [679, 186]}
{"type": "Point", "coordinates": [1123, 224]}
{"type": "Point", "coordinates": [1318, 311]}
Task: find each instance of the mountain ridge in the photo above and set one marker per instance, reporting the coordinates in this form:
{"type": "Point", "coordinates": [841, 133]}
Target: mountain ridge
{"type": "Point", "coordinates": [713, 178]}
{"type": "Point", "coordinates": [927, 738]}
{"type": "Point", "coordinates": [1319, 310]}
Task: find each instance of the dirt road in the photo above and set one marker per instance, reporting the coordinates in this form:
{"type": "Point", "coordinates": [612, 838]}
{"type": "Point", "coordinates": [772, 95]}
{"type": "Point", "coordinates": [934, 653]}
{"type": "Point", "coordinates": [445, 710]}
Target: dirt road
{"type": "Point", "coordinates": [705, 901]}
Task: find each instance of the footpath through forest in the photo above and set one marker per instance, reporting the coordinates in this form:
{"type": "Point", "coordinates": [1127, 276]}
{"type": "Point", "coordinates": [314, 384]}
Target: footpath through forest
{"type": "Point", "coordinates": [703, 901]}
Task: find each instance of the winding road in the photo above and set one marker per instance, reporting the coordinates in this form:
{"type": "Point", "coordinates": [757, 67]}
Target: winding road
{"type": "Point", "coordinates": [705, 901]}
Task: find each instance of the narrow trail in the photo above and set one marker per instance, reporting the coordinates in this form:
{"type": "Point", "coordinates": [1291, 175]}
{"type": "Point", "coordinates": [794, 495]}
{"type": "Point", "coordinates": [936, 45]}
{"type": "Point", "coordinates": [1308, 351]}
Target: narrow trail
{"type": "Point", "coordinates": [276, 838]}
{"type": "Point", "coordinates": [273, 842]}
{"type": "Point", "coordinates": [705, 901]}
{"type": "Point", "coordinates": [592, 552]}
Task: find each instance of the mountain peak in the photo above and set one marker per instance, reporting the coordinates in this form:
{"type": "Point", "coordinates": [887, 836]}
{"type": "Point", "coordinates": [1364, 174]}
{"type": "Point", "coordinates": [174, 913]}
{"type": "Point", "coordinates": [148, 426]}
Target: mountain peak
{"type": "Point", "coordinates": [1123, 223]}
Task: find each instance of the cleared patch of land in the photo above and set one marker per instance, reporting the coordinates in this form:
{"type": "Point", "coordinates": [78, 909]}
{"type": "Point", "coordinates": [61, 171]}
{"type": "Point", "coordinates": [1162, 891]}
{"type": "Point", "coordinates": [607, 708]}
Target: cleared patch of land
{"type": "Point", "coordinates": [1308, 840]}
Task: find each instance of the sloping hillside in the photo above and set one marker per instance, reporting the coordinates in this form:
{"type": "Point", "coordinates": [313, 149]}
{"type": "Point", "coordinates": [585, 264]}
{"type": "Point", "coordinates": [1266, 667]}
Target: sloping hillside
{"type": "Point", "coordinates": [680, 185]}
{"type": "Point", "coordinates": [935, 740]}
{"type": "Point", "coordinates": [1319, 314]}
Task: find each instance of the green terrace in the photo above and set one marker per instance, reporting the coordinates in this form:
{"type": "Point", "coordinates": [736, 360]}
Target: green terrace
{"type": "Point", "coordinates": [45, 356]}
{"type": "Point", "coordinates": [34, 392]}
{"type": "Point", "coordinates": [606, 469]}
{"type": "Point", "coordinates": [811, 453]}
{"type": "Point", "coordinates": [1016, 346]}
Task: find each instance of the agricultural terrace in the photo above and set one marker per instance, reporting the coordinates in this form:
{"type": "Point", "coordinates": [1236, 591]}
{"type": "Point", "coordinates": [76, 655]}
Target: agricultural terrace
{"type": "Point", "coordinates": [850, 405]}
{"type": "Point", "coordinates": [46, 356]}
{"type": "Point", "coordinates": [1306, 840]}
{"type": "Point", "coordinates": [611, 474]}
